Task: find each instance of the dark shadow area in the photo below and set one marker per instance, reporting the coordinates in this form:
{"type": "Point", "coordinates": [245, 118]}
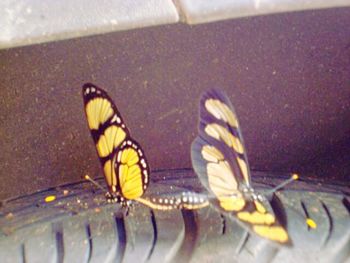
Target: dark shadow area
{"type": "Point", "coordinates": [287, 76]}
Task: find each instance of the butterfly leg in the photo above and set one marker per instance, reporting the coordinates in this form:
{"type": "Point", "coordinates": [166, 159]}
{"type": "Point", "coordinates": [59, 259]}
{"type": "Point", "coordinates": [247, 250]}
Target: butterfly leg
{"type": "Point", "coordinates": [111, 198]}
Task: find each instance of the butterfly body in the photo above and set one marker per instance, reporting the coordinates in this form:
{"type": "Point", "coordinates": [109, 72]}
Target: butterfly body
{"type": "Point", "coordinates": [220, 161]}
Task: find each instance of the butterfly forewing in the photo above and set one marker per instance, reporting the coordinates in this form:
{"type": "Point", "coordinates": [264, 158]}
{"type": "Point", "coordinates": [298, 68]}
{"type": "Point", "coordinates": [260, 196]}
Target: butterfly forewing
{"type": "Point", "coordinates": [219, 133]}
{"type": "Point", "coordinates": [111, 138]}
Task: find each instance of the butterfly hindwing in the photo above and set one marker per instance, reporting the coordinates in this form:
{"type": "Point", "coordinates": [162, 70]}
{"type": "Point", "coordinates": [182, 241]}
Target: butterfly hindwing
{"type": "Point", "coordinates": [112, 138]}
{"type": "Point", "coordinates": [220, 161]}
{"type": "Point", "coordinates": [132, 169]}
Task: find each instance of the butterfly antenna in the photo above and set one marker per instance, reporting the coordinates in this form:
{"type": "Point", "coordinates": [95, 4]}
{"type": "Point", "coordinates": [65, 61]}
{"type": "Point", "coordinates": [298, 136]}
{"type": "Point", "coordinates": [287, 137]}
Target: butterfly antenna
{"type": "Point", "coordinates": [294, 177]}
{"type": "Point", "coordinates": [88, 178]}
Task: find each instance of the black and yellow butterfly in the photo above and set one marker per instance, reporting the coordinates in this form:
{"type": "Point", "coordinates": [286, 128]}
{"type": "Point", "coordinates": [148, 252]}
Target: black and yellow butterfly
{"type": "Point", "coordinates": [124, 163]}
{"type": "Point", "coordinates": [220, 161]}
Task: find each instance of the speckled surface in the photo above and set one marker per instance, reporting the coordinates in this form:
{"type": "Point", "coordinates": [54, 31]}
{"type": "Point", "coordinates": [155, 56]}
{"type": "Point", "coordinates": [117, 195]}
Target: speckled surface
{"type": "Point", "coordinates": [287, 75]}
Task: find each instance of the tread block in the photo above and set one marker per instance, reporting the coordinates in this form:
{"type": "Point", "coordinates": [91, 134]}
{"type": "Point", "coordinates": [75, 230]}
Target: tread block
{"type": "Point", "coordinates": [82, 227]}
{"type": "Point", "coordinates": [314, 245]}
{"type": "Point", "coordinates": [11, 251]}
{"type": "Point", "coordinates": [139, 233]}
{"type": "Point", "coordinates": [104, 236]}
{"type": "Point", "coordinates": [42, 244]}
{"type": "Point", "coordinates": [211, 226]}
{"type": "Point", "coordinates": [170, 234]}
{"type": "Point", "coordinates": [76, 240]}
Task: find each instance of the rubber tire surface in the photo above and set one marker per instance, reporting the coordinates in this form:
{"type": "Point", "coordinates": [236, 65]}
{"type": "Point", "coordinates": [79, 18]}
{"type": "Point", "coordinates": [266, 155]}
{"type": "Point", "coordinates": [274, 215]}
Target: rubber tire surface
{"type": "Point", "coordinates": [79, 226]}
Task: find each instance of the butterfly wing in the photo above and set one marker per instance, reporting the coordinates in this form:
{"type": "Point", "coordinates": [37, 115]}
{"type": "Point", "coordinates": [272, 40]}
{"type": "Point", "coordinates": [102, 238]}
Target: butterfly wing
{"type": "Point", "coordinates": [132, 169]}
{"type": "Point", "coordinates": [218, 153]}
{"type": "Point", "coordinates": [216, 174]}
{"type": "Point", "coordinates": [220, 161]}
{"type": "Point", "coordinates": [112, 139]}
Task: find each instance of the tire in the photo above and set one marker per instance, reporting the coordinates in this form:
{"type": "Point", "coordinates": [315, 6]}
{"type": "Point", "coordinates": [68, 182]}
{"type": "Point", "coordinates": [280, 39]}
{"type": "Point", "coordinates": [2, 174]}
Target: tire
{"type": "Point", "coordinates": [79, 226]}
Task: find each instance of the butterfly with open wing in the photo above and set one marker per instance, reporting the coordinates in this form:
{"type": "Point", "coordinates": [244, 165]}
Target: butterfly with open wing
{"type": "Point", "coordinates": [123, 161]}
{"type": "Point", "coordinates": [220, 160]}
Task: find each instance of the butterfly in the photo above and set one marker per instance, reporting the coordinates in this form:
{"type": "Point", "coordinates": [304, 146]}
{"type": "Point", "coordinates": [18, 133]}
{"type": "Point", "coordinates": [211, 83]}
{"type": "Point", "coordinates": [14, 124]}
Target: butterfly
{"type": "Point", "coordinates": [123, 161]}
{"type": "Point", "coordinates": [220, 160]}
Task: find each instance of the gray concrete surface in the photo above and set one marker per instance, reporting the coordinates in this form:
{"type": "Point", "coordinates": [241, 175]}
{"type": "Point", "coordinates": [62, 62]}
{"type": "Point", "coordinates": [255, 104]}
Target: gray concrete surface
{"type": "Point", "coordinates": [26, 22]}
{"type": "Point", "coordinates": [29, 22]}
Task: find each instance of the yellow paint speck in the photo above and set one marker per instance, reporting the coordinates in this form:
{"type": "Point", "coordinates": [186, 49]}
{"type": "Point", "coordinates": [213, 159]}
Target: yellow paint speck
{"type": "Point", "coordinates": [311, 223]}
{"type": "Point", "coordinates": [295, 176]}
{"type": "Point", "coordinates": [9, 216]}
{"type": "Point", "coordinates": [50, 198]}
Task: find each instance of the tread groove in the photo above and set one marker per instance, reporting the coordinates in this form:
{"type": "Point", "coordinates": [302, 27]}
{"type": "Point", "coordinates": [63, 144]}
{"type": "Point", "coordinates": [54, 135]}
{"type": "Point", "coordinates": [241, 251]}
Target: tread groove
{"type": "Point", "coordinates": [279, 210]}
{"type": "Point", "coordinates": [330, 219]}
{"type": "Point", "coordinates": [223, 224]}
{"type": "Point", "coordinates": [121, 233]}
{"type": "Point", "coordinates": [346, 203]}
{"type": "Point", "coordinates": [59, 244]}
{"type": "Point", "coordinates": [243, 243]}
{"type": "Point", "coordinates": [88, 233]}
{"type": "Point", "coordinates": [23, 253]}
{"type": "Point", "coordinates": [303, 206]}
{"type": "Point", "coordinates": [268, 254]}
{"type": "Point", "coordinates": [187, 247]}
{"type": "Point", "coordinates": [155, 234]}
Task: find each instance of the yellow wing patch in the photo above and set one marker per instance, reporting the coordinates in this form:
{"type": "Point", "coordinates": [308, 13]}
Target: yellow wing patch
{"type": "Point", "coordinates": [256, 217]}
{"type": "Point", "coordinates": [275, 233]}
{"type": "Point", "coordinates": [231, 203]}
{"type": "Point", "coordinates": [112, 137]}
{"type": "Point", "coordinates": [98, 111]}
{"type": "Point", "coordinates": [129, 157]}
{"type": "Point", "coordinates": [221, 133]}
{"type": "Point", "coordinates": [259, 206]}
{"type": "Point", "coordinates": [220, 178]}
{"type": "Point", "coordinates": [221, 111]}
{"type": "Point", "coordinates": [111, 178]}
{"type": "Point", "coordinates": [212, 154]}
{"type": "Point", "coordinates": [244, 169]}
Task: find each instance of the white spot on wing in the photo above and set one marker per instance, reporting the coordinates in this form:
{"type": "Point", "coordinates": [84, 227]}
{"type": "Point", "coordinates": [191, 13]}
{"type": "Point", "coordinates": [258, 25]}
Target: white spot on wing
{"type": "Point", "coordinates": [114, 118]}
{"type": "Point", "coordinates": [119, 157]}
